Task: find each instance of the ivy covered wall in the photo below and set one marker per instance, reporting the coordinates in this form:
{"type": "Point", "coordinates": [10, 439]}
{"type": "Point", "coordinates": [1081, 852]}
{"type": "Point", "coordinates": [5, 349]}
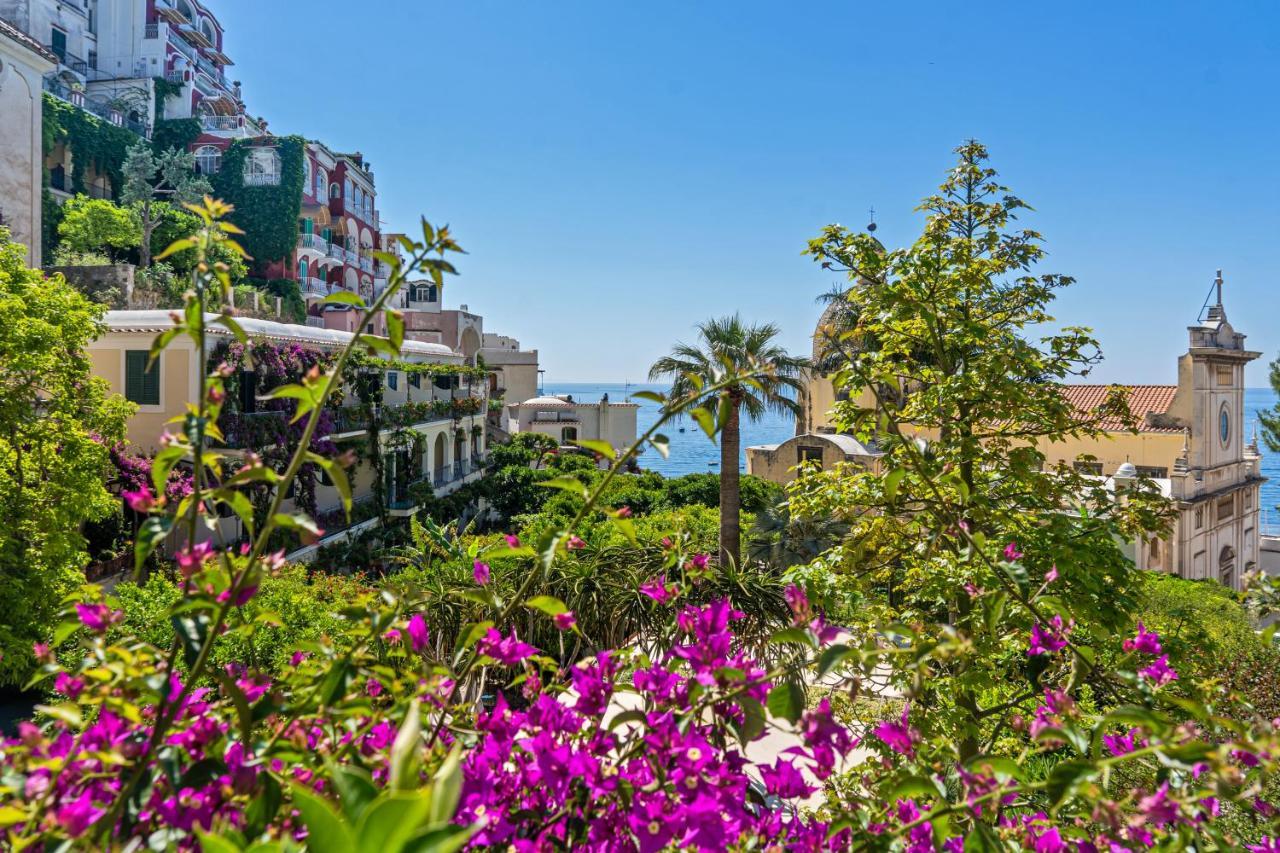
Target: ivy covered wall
{"type": "Point", "coordinates": [177, 133]}
{"type": "Point", "coordinates": [92, 140]}
{"type": "Point", "coordinates": [267, 214]}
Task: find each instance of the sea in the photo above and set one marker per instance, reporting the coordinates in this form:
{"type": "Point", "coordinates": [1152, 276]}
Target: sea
{"type": "Point", "coordinates": [692, 452]}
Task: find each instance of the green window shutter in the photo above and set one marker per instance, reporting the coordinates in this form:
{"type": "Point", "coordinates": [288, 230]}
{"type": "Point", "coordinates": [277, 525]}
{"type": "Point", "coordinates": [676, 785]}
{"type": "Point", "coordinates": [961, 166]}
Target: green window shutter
{"type": "Point", "coordinates": [141, 386]}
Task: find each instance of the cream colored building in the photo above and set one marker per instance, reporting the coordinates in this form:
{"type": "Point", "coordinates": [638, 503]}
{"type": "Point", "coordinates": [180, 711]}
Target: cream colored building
{"type": "Point", "coordinates": [432, 434]}
{"type": "Point", "coordinates": [513, 372]}
{"type": "Point", "coordinates": [1189, 440]}
{"type": "Point", "coordinates": [567, 420]}
{"type": "Point", "coordinates": [23, 64]}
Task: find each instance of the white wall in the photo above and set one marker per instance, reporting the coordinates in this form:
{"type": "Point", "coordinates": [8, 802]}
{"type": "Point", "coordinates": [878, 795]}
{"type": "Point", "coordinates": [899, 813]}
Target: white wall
{"type": "Point", "coordinates": [21, 156]}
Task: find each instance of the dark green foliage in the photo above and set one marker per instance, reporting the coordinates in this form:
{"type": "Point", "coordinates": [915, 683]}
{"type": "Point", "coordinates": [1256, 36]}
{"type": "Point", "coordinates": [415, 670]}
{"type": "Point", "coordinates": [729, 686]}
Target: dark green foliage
{"type": "Point", "coordinates": [91, 140]}
{"type": "Point", "coordinates": [51, 218]}
{"type": "Point", "coordinates": [178, 133]}
{"type": "Point", "coordinates": [757, 493]}
{"type": "Point", "coordinates": [293, 306]}
{"type": "Point", "coordinates": [268, 214]}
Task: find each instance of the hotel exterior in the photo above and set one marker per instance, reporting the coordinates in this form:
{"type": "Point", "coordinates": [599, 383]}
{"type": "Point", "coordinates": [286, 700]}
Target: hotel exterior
{"type": "Point", "coordinates": [1189, 441]}
{"type": "Point", "coordinates": [430, 430]}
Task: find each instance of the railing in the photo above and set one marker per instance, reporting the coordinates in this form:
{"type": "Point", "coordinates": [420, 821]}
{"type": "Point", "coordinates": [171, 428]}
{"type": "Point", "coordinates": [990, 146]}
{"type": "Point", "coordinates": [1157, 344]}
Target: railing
{"type": "Point", "coordinates": [69, 59]}
{"type": "Point", "coordinates": [443, 477]}
{"type": "Point", "coordinates": [336, 252]}
{"type": "Point", "coordinates": [311, 284]}
{"type": "Point", "coordinates": [212, 70]}
{"type": "Point", "coordinates": [312, 241]}
{"type": "Point", "coordinates": [555, 417]}
{"type": "Point", "coordinates": [220, 122]}
{"type": "Point", "coordinates": [260, 179]}
{"type": "Point", "coordinates": [315, 322]}
{"type": "Point", "coordinates": [151, 31]}
{"type": "Point", "coordinates": [366, 264]}
{"type": "Point", "coordinates": [99, 108]}
{"type": "Point", "coordinates": [178, 78]}
{"type": "Point", "coordinates": [462, 468]}
{"type": "Point", "coordinates": [352, 256]}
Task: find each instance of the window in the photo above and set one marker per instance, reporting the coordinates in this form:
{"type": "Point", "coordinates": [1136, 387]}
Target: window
{"type": "Point", "coordinates": [209, 159]}
{"type": "Point", "coordinates": [809, 454]}
{"type": "Point", "coordinates": [1083, 467]}
{"type": "Point", "coordinates": [141, 385]}
{"type": "Point", "coordinates": [568, 434]}
{"type": "Point", "coordinates": [415, 380]}
{"type": "Point", "coordinates": [393, 379]}
{"type": "Point", "coordinates": [1224, 425]}
{"type": "Point", "coordinates": [1248, 498]}
{"type": "Point", "coordinates": [262, 167]}
{"type": "Point", "coordinates": [1199, 517]}
{"type": "Point", "coordinates": [350, 192]}
{"type": "Point", "coordinates": [335, 191]}
{"type": "Point", "coordinates": [302, 268]}
{"type": "Point", "coordinates": [319, 184]}
{"type": "Point", "coordinates": [248, 392]}
{"type": "Point", "coordinates": [58, 44]}
{"type": "Point", "coordinates": [1226, 508]}
{"type": "Point", "coordinates": [1153, 473]}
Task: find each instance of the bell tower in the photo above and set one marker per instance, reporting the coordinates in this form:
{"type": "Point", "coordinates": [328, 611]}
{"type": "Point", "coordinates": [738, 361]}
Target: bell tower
{"type": "Point", "coordinates": [1217, 476]}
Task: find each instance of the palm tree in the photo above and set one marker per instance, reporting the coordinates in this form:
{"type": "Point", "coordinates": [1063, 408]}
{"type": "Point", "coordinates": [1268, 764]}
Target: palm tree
{"type": "Point", "coordinates": [729, 347]}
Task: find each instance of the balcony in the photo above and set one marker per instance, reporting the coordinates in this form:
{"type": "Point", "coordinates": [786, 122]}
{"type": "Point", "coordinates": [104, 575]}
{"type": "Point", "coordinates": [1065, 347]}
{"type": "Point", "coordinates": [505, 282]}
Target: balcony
{"type": "Point", "coordinates": [167, 10]}
{"type": "Point", "coordinates": [313, 242]}
{"type": "Point", "coordinates": [213, 71]}
{"type": "Point", "coordinates": [215, 123]}
{"type": "Point", "coordinates": [313, 286]}
{"type": "Point", "coordinates": [178, 78]}
{"type": "Point", "coordinates": [261, 179]}
{"type": "Point", "coordinates": [98, 107]}
{"type": "Point", "coordinates": [69, 59]}
{"type": "Point", "coordinates": [352, 257]}
{"type": "Point", "coordinates": [366, 264]}
{"type": "Point", "coordinates": [338, 253]}
{"type": "Point", "coordinates": [443, 477]}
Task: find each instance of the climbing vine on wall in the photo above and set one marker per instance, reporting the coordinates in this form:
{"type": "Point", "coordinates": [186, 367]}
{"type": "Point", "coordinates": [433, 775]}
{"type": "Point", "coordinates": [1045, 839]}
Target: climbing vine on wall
{"type": "Point", "coordinates": [91, 139]}
{"type": "Point", "coordinates": [164, 91]}
{"type": "Point", "coordinates": [177, 133]}
{"type": "Point", "coordinates": [268, 214]}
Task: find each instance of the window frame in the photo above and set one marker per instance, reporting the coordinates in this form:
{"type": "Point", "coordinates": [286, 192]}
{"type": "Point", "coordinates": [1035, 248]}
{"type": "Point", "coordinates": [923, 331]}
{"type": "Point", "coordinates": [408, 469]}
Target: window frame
{"type": "Point", "coordinates": [144, 401]}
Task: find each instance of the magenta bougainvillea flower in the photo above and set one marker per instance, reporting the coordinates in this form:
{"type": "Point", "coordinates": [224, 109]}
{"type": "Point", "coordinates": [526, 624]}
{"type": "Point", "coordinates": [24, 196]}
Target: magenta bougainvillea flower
{"type": "Point", "coordinates": [480, 571]}
{"type": "Point", "coordinates": [1144, 642]}
{"type": "Point", "coordinates": [1047, 640]}
{"type": "Point", "coordinates": [659, 590]}
{"type": "Point", "coordinates": [419, 635]}
{"type": "Point", "coordinates": [98, 617]}
{"type": "Point", "coordinates": [899, 736]}
{"type": "Point", "coordinates": [507, 651]}
{"type": "Point", "coordinates": [1159, 672]}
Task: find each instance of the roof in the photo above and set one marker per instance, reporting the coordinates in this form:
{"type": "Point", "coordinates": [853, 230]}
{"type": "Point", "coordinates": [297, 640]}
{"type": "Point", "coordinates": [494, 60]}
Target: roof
{"type": "Point", "coordinates": [1142, 399]}
{"type": "Point", "coordinates": [8, 29]}
{"type": "Point", "coordinates": [546, 401]}
{"type": "Point", "coordinates": [159, 321]}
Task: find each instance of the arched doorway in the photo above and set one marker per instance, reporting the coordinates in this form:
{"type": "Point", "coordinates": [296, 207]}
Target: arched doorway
{"type": "Point", "coordinates": [1227, 567]}
{"type": "Point", "coordinates": [568, 434]}
{"type": "Point", "coordinates": [437, 460]}
{"type": "Point", "coordinates": [470, 343]}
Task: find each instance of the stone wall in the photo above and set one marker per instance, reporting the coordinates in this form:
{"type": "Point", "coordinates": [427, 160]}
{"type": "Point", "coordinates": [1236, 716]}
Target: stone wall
{"type": "Point", "coordinates": [110, 284]}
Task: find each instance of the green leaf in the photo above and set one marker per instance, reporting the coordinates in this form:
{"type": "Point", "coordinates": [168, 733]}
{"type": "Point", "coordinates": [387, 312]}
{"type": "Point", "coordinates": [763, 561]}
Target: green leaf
{"type": "Point", "coordinates": [354, 786]}
{"type": "Point", "coordinates": [833, 656]}
{"type": "Point", "coordinates": [446, 788]}
{"type": "Point", "coordinates": [297, 521]}
{"type": "Point", "coordinates": [391, 820]}
{"type": "Point", "coordinates": [753, 719]}
{"type": "Point", "coordinates": [379, 345]}
{"type": "Point", "coordinates": [214, 844]}
{"type": "Point", "coordinates": [233, 326]}
{"type": "Point", "coordinates": [192, 631]}
{"type": "Point", "coordinates": [651, 396]}
{"type": "Point", "coordinates": [1065, 778]}
{"type": "Point", "coordinates": [343, 297]}
{"type": "Point", "coordinates": [705, 420]}
{"type": "Point", "coordinates": [263, 806]}
{"type": "Point", "coordinates": [662, 444]}
{"type": "Point", "coordinates": [797, 636]}
{"type": "Point", "coordinates": [891, 483]}
{"type": "Point", "coordinates": [571, 485]}
{"type": "Point", "coordinates": [603, 448]}
{"type": "Point", "coordinates": [548, 604]}
{"type": "Point", "coordinates": [912, 786]}
{"type": "Point", "coordinates": [326, 831]}
{"type": "Point", "coordinates": [163, 463]}
{"type": "Point", "coordinates": [395, 328]}
{"type": "Point", "coordinates": [404, 758]}
{"type": "Point", "coordinates": [786, 700]}
{"type": "Point", "coordinates": [338, 475]}
{"type": "Point", "coordinates": [150, 534]}
{"type": "Point", "coordinates": [635, 715]}
{"type": "Point", "coordinates": [446, 839]}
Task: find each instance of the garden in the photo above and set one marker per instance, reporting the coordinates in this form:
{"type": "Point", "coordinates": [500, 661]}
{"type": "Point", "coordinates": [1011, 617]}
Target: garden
{"type": "Point", "coordinates": [955, 648]}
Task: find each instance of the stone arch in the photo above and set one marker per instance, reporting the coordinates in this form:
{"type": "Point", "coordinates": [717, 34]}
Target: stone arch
{"type": "Point", "coordinates": [1227, 566]}
{"type": "Point", "coordinates": [470, 342]}
{"type": "Point", "coordinates": [352, 280]}
{"type": "Point", "coordinates": [438, 454]}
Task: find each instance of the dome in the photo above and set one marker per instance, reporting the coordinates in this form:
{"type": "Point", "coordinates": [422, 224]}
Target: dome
{"type": "Point", "coordinates": [538, 402]}
{"type": "Point", "coordinates": [1127, 471]}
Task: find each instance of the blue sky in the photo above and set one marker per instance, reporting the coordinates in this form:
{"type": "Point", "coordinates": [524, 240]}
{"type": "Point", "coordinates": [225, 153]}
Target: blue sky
{"type": "Point", "coordinates": [619, 171]}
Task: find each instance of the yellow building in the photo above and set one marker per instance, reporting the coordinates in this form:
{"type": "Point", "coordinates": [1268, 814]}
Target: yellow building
{"type": "Point", "coordinates": [444, 415]}
{"type": "Point", "coordinates": [1189, 440]}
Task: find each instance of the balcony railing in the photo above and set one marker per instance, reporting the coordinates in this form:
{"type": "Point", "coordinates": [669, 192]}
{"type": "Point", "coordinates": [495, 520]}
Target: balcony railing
{"type": "Point", "coordinates": [212, 70]}
{"type": "Point", "coordinates": [69, 59]}
{"type": "Point", "coordinates": [312, 285]}
{"type": "Point", "coordinates": [352, 256]}
{"type": "Point", "coordinates": [312, 241]}
{"type": "Point", "coordinates": [256, 179]}
{"type": "Point", "coordinates": [315, 322]}
{"type": "Point", "coordinates": [336, 252]}
{"type": "Point", "coordinates": [443, 477]}
{"type": "Point", "coordinates": [99, 108]}
{"type": "Point", "coordinates": [221, 122]}
{"type": "Point", "coordinates": [366, 264]}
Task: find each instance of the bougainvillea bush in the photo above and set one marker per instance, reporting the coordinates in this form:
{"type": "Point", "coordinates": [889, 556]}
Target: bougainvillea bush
{"type": "Point", "coordinates": [378, 737]}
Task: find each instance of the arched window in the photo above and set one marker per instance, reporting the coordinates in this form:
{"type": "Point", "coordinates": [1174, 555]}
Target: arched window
{"type": "Point", "coordinates": [302, 268]}
{"type": "Point", "coordinates": [1227, 567]}
{"type": "Point", "coordinates": [208, 159]}
{"type": "Point", "coordinates": [262, 167]}
{"type": "Point", "coordinates": [335, 191]}
{"type": "Point", "coordinates": [321, 180]}
{"type": "Point", "coordinates": [207, 29]}
{"type": "Point", "coordinates": [185, 8]}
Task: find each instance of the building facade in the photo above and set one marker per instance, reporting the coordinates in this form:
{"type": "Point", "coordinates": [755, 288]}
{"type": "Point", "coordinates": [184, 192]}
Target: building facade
{"type": "Point", "coordinates": [566, 420]}
{"type": "Point", "coordinates": [513, 372]}
{"type": "Point", "coordinates": [1189, 441]}
{"type": "Point", "coordinates": [431, 431]}
{"type": "Point", "coordinates": [23, 64]}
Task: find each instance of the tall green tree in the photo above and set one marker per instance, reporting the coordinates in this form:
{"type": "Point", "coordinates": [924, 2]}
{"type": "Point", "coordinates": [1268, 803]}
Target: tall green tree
{"type": "Point", "coordinates": [98, 226]}
{"type": "Point", "coordinates": [56, 423]}
{"type": "Point", "coordinates": [150, 178]}
{"type": "Point", "coordinates": [966, 400]}
{"type": "Point", "coordinates": [727, 346]}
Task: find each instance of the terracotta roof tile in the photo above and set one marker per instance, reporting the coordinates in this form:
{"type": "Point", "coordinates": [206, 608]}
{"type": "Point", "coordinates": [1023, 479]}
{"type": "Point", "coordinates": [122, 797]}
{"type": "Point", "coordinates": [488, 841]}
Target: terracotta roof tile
{"type": "Point", "coordinates": [1142, 399]}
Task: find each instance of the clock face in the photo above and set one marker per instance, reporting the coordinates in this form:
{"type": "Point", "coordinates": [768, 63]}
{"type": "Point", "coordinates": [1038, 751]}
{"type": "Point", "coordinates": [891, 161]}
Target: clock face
{"type": "Point", "coordinates": [1224, 425]}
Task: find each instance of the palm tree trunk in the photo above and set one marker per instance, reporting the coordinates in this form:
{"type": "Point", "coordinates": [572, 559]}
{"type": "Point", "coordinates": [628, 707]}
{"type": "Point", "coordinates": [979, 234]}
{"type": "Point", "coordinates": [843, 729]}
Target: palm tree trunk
{"type": "Point", "coordinates": [730, 499]}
